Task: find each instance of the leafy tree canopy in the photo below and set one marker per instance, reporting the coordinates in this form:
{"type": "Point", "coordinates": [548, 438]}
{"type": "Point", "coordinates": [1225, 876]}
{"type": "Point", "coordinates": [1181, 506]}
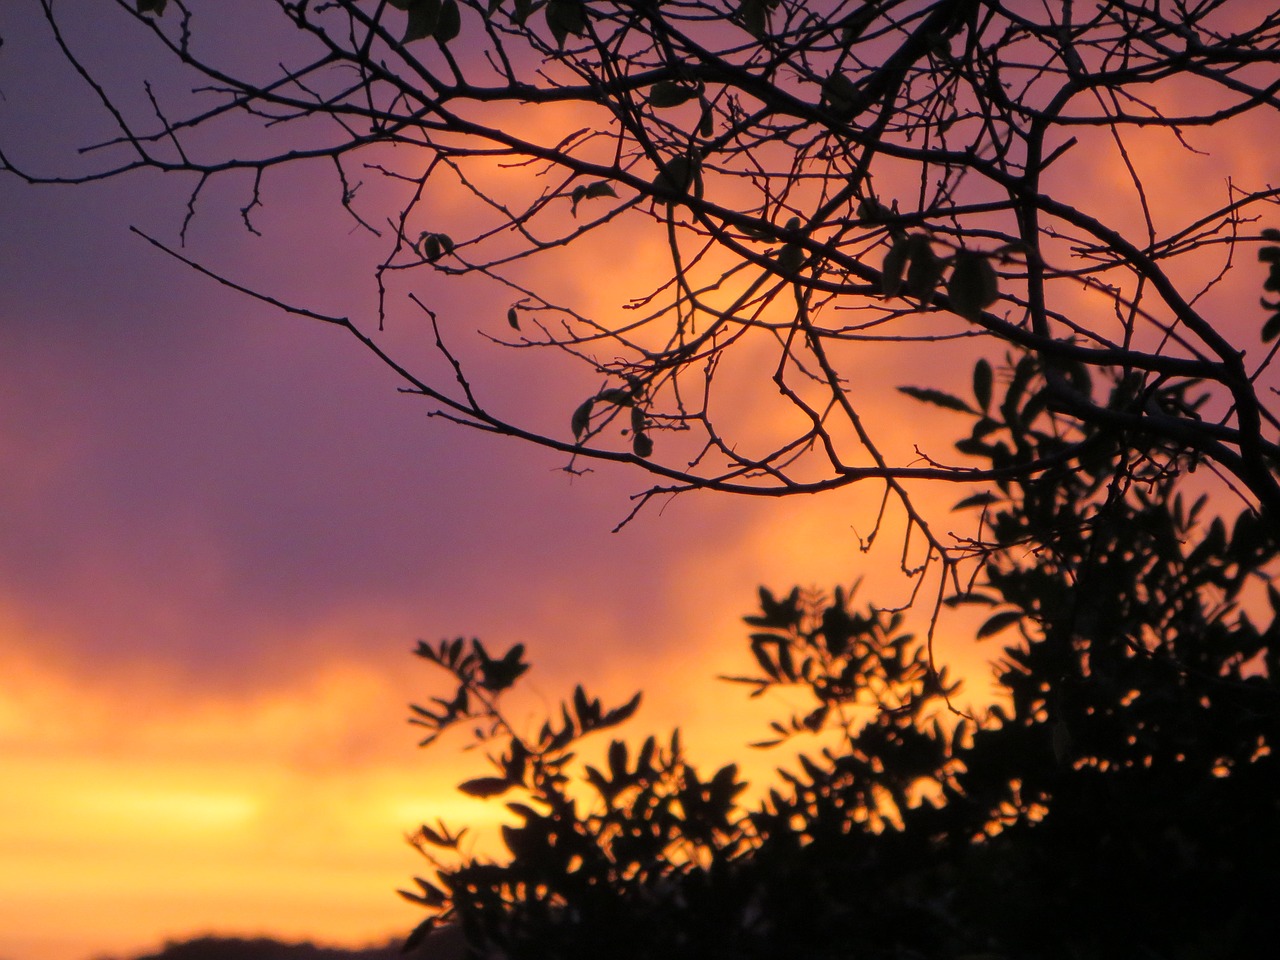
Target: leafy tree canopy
{"type": "Point", "coordinates": [1122, 800]}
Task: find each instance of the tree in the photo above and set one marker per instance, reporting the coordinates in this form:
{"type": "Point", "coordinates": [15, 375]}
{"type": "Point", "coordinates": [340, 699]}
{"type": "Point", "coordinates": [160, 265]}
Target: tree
{"type": "Point", "coordinates": [1122, 800]}
{"type": "Point", "coordinates": [823, 177]}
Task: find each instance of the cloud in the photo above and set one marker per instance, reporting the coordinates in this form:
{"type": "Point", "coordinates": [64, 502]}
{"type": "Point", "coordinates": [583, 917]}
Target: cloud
{"type": "Point", "coordinates": [148, 813]}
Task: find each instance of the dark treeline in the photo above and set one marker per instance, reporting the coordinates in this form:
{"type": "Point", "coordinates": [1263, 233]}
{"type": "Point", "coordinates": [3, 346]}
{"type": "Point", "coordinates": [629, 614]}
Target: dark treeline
{"type": "Point", "coordinates": [441, 946]}
{"type": "Point", "coordinates": [263, 948]}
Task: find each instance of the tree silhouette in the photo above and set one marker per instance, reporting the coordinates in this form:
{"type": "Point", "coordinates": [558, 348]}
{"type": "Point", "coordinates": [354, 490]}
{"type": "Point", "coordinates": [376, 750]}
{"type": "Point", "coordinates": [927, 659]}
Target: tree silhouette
{"type": "Point", "coordinates": [1122, 799]}
{"type": "Point", "coordinates": [822, 176]}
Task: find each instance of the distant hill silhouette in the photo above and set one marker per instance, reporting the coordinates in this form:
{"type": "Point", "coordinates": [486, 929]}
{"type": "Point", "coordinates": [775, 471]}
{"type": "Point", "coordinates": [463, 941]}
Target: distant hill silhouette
{"type": "Point", "coordinates": [442, 945]}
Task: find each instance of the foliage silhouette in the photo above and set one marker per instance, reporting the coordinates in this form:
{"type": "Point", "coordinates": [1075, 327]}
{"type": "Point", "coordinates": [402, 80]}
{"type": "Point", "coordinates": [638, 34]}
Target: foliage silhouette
{"type": "Point", "coordinates": [824, 177]}
{"type": "Point", "coordinates": [1122, 800]}
{"type": "Point", "coordinates": [933, 166]}
{"type": "Point", "coordinates": [237, 948]}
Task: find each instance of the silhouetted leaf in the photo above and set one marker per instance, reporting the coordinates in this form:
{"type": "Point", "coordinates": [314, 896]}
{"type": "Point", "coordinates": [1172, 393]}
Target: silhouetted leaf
{"type": "Point", "coordinates": [841, 96]}
{"type": "Point", "coordinates": [982, 378]}
{"type": "Point", "coordinates": [433, 246]}
{"type": "Point", "coordinates": [668, 93]}
{"type": "Point", "coordinates": [617, 757]}
{"type": "Point", "coordinates": [566, 18]}
{"type": "Point", "coordinates": [938, 398]}
{"type": "Point", "coordinates": [438, 838]}
{"type": "Point", "coordinates": [483, 787]}
{"type": "Point", "coordinates": [971, 597]}
{"type": "Point", "coordinates": [680, 174]}
{"type": "Point", "coordinates": [498, 675]}
{"type": "Point", "coordinates": [590, 191]}
{"type": "Point", "coordinates": [755, 16]}
{"type": "Point", "coordinates": [984, 499]}
{"type": "Point", "coordinates": [895, 262]}
{"type": "Point", "coordinates": [424, 17]}
{"type": "Point", "coordinates": [449, 23]}
{"type": "Point", "coordinates": [973, 286]}
{"type": "Point", "coordinates": [1271, 329]}
{"type": "Point", "coordinates": [792, 256]}
{"type": "Point", "coordinates": [419, 933]}
{"type": "Point", "coordinates": [430, 896]}
{"type": "Point", "coordinates": [581, 419]}
{"type": "Point", "coordinates": [924, 270]}
{"type": "Point", "coordinates": [583, 707]}
{"type": "Point", "coordinates": [814, 720]}
{"type": "Point", "coordinates": [998, 622]}
{"type": "Point", "coordinates": [853, 25]}
{"type": "Point", "coordinates": [621, 714]}
{"type": "Point", "coordinates": [616, 395]}
{"type": "Point", "coordinates": [872, 211]}
{"type": "Point", "coordinates": [706, 122]}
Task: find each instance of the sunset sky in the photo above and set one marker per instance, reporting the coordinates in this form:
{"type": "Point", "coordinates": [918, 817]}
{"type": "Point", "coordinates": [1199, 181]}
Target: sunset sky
{"type": "Point", "coordinates": [223, 530]}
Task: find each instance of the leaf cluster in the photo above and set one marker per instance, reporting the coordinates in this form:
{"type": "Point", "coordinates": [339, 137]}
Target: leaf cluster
{"type": "Point", "coordinates": [1270, 255]}
{"type": "Point", "coordinates": [1122, 797]}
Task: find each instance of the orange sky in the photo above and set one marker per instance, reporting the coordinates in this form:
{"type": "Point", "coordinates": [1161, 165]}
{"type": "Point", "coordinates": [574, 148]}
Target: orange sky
{"type": "Point", "coordinates": [223, 532]}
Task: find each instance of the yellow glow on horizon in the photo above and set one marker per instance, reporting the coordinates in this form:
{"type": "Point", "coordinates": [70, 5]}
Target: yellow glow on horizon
{"type": "Point", "coordinates": [170, 809]}
{"type": "Point", "coordinates": [134, 815]}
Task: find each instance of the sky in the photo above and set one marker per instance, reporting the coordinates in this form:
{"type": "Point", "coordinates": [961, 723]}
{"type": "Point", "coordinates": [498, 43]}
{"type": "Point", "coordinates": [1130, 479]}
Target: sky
{"type": "Point", "coordinates": [222, 531]}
